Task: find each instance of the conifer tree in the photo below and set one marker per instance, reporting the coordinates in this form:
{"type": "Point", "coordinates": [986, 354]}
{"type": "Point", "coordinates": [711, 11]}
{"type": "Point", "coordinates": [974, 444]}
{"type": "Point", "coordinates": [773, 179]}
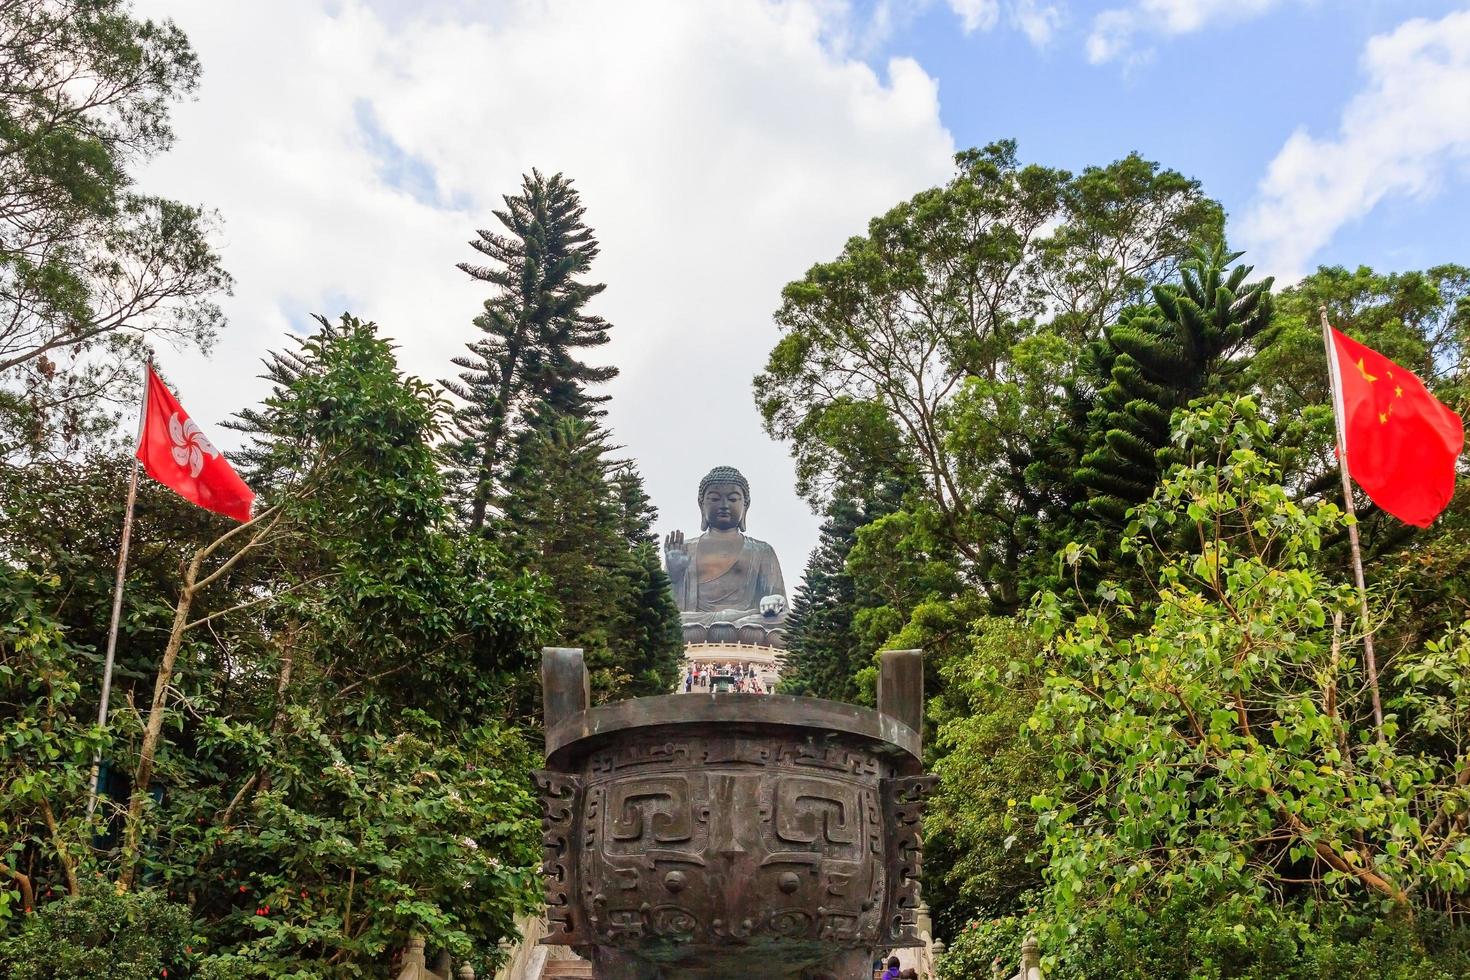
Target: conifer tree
{"type": "Point", "coordinates": [533, 327]}
{"type": "Point", "coordinates": [584, 522]}
{"type": "Point", "coordinates": [826, 649]}
{"type": "Point", "coordinates": [1195, 337]}
{"type": "Point", "coordinates": [823, 653]}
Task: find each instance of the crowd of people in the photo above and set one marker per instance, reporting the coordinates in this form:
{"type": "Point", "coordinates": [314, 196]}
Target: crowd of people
{"type": "Point", "coordinates": [738, 678]}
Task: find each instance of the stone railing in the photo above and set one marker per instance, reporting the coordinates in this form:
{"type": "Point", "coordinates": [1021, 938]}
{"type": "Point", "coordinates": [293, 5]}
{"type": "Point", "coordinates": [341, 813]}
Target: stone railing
{"type": "Point", "coordinates": [416, 966]}
{"type": "Point", "coordinates": [1030, 963]}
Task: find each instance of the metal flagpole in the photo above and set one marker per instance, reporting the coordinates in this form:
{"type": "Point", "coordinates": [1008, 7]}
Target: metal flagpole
{"type": "Point", "coordinates": [1347, 496]}
{"type": "Point", "coordinates": [117, 593]}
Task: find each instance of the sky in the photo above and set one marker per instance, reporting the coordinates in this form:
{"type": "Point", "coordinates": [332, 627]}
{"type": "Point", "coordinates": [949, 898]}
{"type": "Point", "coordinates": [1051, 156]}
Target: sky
{"type": "Point", "coordinates": [722, 147]}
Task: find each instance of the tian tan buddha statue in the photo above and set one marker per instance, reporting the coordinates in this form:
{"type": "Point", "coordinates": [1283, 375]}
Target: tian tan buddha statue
{"type": "Point", "coordinates": [724, 575]}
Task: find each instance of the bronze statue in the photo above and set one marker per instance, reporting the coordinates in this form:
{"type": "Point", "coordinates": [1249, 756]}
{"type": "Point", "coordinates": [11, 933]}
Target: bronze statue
{"type": "Point", "coordinates": [724, 575]}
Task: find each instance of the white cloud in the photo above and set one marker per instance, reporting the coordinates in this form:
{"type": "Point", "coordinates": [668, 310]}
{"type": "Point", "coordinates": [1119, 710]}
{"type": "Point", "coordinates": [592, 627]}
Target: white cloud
{"type": "Point", "coordinates": [353, 150]}
{"type": "Point", "coordinates": [1114, 30]}
{"type": "Point", "coordinates": [1038, 21]}
{"type": "Point", "coordinates": [976, 15]}
{"type": "Point", "coordinates": [1402, 134]}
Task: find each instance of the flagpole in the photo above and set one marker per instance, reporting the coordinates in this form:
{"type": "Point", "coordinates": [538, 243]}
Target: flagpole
{"type": "Point", "coordinates": [1347, 496]}
{"type": "Point", "coordinates": [117, 594]}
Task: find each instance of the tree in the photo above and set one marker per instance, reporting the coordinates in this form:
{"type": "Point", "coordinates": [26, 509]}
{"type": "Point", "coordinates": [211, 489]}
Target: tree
{"type": "Point", "coordinates": [826, 652]}
{"type": "Point", "coordinates": [1195, 339]}
{"type": "Point", "coordinates": [532, 329]}
{"type": "Point", "coordinates": [90, 270]}
{"type": "Point", "coordinates": [337, 703]}
{"type": "Point", "coordinates": [584, 523]}
{"type": "Point", "coordinates": [977, 297]}
{"type": "Point", "coordinates": [1214, 741]}
{"type": "Point", "coordinates": [983, 860]}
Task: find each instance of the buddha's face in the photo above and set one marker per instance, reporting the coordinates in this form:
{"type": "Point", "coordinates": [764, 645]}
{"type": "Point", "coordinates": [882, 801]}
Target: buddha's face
{"type": "Point", "coordinates": [723, 505]}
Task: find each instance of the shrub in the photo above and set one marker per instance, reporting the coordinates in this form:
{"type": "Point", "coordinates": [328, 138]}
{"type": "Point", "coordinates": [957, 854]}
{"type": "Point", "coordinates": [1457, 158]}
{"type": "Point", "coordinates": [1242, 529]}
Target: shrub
{"type": "Point", "coordinates": [134, 936]}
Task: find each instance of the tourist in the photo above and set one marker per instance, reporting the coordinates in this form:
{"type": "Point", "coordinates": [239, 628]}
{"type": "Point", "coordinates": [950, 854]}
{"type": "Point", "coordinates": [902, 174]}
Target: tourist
{"type": "Point", "coordinates": [892, 972]}
{"type": "Point", "coordinates": [688, 680]}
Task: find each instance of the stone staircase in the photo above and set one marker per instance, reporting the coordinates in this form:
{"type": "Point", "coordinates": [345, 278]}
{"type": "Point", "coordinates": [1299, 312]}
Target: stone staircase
{"type": "Point", "coordinates": [566, 969]}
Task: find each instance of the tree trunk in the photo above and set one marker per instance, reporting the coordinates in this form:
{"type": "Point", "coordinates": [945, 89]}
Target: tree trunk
{"type": "Point", "coordinates": [154, 731]}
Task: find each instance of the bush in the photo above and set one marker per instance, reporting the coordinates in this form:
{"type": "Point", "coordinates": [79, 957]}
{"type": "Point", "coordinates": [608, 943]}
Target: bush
{"type": "Point", "coordinates": [135, 936]}
{"type": "Point", "coordinates": [1228, 940]}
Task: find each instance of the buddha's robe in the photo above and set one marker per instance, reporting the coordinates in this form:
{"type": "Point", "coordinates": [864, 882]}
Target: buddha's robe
{"type": "Point", "coordinates": [738, 589]}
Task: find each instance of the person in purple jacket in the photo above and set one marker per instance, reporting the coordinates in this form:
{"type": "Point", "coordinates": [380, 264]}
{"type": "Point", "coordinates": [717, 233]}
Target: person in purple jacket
{"type": "Point", "coordinates": [892, 972]}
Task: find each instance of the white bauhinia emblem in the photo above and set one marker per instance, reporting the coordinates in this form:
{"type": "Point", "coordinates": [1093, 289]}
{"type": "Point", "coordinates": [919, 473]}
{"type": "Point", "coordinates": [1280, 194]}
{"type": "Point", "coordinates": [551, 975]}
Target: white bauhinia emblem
{"type": "Point", "coordinates": [190, 446]}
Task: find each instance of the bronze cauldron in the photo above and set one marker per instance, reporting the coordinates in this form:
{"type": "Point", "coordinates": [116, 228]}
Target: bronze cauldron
{"type": "Point", "coordinates": [702, 836]}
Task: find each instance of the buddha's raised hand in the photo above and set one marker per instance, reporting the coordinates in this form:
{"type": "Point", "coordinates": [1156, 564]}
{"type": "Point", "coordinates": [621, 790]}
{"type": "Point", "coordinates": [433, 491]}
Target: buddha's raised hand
{"type": "Point", "coordinates": [676, 554]}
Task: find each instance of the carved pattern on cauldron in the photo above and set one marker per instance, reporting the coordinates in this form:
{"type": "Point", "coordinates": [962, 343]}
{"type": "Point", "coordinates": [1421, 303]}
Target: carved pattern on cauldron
{"type": "Point", "coordinates": [904, 803]}
{"type": "Point", "coordinates": [800, 825]}
{"type": "Point", "coordinates": [559, 805]}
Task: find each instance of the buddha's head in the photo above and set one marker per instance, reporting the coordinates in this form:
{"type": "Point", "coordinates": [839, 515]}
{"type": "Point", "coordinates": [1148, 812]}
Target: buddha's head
{"type": "Point", "coordinates": [724, 496]}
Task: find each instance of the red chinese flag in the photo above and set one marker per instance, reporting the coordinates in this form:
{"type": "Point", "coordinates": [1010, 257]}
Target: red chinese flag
{"type": "Point", "coordinates": [1401, 442]}
{"type": "Point", "coordinates": [176, 454]}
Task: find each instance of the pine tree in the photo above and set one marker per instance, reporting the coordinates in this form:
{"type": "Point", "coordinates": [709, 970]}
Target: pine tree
{"type": "Point", "coordinates": [1193, 340]}
{"type": "Point", "coordinates": [650, 635]}
{"type": "Point", "coordinates": [584, 522]}
{"type": "Point", "coordinates": [823, 653]}
{"type": "Point", "coordinates": [533, 326]}
{"type": "Point", "coordinates": [825, 649]}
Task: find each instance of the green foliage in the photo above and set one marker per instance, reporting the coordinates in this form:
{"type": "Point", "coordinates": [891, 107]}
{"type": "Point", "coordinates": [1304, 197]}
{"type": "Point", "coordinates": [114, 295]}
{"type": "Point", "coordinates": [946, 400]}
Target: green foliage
{"type": "Point", "coordinates": [525, 363]}
{"type": "Point", "coordinates": [1216, 739]}
{"type": "Point", "coordinates": [1194, 340]}
{"type": "Point", "coordinates": [365, 837]}
{"type": "Point", "coordinates": [87, 266]}
{"type": "Point", "coordinates": [1192, 939]}
{"type": "Point", "coordinates": [134, 936]}
{"type": "Point", "coordinates": [335, 719]}
{"type": "Point", "coordinates": [584, 523]}
{"type": "Point", "coordinates": [997, 281]}
{"type": "Point", "coordinates": [981, 857]}
{"type": "Point", "coordinates": [825, 649]}
{"type": "Point", "coordinates": [46, 745]}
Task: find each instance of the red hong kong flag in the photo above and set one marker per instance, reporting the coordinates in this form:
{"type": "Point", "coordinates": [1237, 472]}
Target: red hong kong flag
{"type": "Point", "coordinates": [1401, 442]}
{"type": "Point", "coordinates": [176, 454]}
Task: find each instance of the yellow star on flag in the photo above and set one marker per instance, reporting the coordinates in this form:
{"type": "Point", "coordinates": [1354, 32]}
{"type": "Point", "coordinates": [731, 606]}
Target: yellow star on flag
{"type": "Point", "coordinates": [1364, 371]}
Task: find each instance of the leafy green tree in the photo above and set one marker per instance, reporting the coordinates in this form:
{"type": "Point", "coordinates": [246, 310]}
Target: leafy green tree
{"type": "Point", "coordinates": [983, 859]}
{"type": "Point", "coordinates": [1195, 340]}
{"type": "Point", "coordinates": [333, 717]}
{"type": "Point", "coordinates": [825, 651]}
{"type": "Point", "coordinates": [996, 282]}
{"type": "Point", "coordinates": [1215, 741]}
{"type": "Point", "coordinates": [46, 743]}
{"type": "Point", "coordinates": [100, 933]}
{"type": "Point", "coordinates": [533, 328]}
{"type": "Point", "coordinates": [90, 271]}
{"type": "Point", "coordinates": [1419, 319]}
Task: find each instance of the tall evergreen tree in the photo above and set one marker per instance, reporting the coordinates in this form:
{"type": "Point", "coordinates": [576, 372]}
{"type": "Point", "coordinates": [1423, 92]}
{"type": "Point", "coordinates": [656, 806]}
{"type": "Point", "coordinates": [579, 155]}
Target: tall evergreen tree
{"type": "Point", "coordinates": [532, 329]}
{"type": "Point", "coordinates": [823, 651]}
{"type": "Point", "coordinates": [1193, 340]}
{"type": "Point", "coordinates": [584, 522]}
{"type": "Point", "coordinates": [826, 647]}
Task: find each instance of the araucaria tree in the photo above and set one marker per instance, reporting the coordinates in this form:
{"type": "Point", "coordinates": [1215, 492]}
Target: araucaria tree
{"type": "Point", "coordinates": [1195, 339]}
{"type": "Point", "coordinates": [530, 456]}
{"type": "Point", "coordinates": [583, 521]}
{"type": "Point", "coordinates": [532, 329]}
